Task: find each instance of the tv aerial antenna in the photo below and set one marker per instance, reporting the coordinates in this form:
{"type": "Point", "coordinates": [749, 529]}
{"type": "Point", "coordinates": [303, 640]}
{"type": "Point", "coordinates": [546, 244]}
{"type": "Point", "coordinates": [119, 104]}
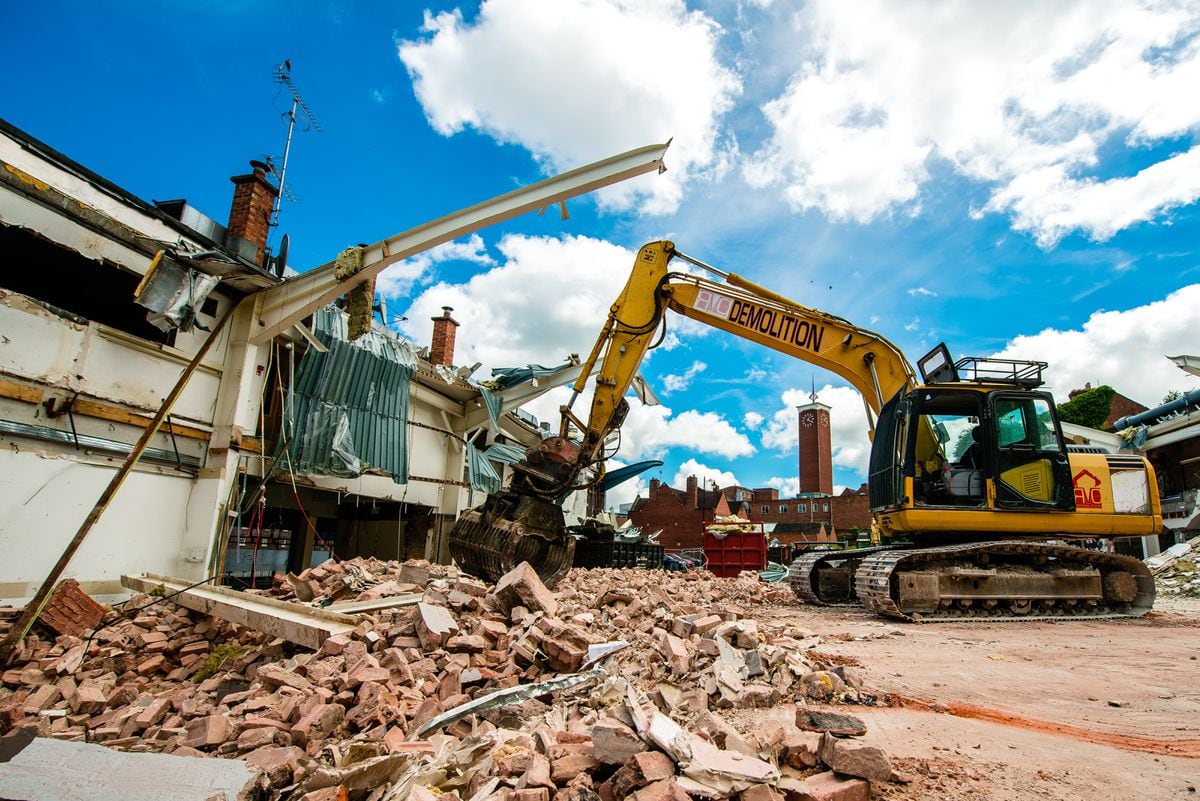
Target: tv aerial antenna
{"type": "Point", "coordinates": [299, 109]}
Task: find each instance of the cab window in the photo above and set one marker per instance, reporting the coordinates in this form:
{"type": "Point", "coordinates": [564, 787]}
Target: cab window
{"type": "Point", "coordinates": [1025, 421]}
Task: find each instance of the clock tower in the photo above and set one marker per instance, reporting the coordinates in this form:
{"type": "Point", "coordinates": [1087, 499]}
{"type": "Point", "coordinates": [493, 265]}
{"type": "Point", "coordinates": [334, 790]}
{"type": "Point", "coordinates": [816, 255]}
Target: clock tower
{"type": "Point", "coordinates": [816, 451]}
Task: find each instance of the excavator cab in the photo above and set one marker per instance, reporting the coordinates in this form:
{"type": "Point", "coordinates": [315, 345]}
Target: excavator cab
{"type": "Point", "coordinates": [977, 435]}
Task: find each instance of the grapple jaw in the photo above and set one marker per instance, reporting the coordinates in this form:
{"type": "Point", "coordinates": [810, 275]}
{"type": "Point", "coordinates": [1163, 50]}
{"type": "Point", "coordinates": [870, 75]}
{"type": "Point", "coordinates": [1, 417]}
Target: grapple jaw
{"type": "Point", "coordinates": [492, 539]}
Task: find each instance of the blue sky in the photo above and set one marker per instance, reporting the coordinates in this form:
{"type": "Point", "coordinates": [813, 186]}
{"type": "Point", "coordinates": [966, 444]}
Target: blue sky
{"type": "Point", "coordinates": [1012, 178]}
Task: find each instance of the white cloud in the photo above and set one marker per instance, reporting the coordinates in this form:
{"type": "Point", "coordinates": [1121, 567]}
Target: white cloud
{"type": "Point", "coordinates": [1051, 204]}
{"type": "Point", "coordinates": [847, 425]}
{"type": "Point", "coordinates": [788, 487]}
{"type": "Point", "coordinates": [923, 292]}
{"type": "Point", "coordinates": [676, 383]}
{"type": "Point", "coordinates": [626, 491]}
{"type": "Point", "coordinates": [1124, 349]}
{"type": "Point", "coordinates": [576, 80]}
{"type": "Point", "coordinates": [1025, 96]}
{"type": "Point", "coordinates": [545, 299]}
{"type": "Point", "coordinates": [650, 430]}
{"type": "Point", "coordinates": [704, 474]}
{"type": "Point", "coordinates": [752, 420]}
{"type": "Point", "coordinates": [398, 279]}
{"type": "Point", "coordinates": [914, 325]}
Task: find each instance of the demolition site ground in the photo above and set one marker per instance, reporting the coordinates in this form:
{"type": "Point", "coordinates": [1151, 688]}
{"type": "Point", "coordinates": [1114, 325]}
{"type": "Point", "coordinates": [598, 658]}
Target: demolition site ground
{"type": "Point", "coordinates": [1106, 709]}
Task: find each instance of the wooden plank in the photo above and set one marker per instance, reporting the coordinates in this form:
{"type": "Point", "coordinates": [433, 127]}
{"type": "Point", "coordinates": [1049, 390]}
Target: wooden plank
{"type": "Point", "coordinates": [116, 415]}
{"type": "Point", "coordinates": [105, 411]}
{"type": "Point", "coordinates": [390, 602]}
{"type": "Point", "coordinates": [302, 625]}
{"type": "Point", "coordinates": [21, 392]}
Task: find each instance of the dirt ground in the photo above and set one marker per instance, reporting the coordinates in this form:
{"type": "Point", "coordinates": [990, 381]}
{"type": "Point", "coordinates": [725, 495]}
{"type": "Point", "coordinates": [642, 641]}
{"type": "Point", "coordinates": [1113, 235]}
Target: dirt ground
{"type": "Point", "coordinates": [1065, 710]}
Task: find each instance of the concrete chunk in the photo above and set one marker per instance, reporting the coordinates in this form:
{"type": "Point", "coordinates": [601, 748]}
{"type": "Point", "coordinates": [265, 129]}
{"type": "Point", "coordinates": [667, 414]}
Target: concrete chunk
{"type": "Point", "coordinates": [435, 625]}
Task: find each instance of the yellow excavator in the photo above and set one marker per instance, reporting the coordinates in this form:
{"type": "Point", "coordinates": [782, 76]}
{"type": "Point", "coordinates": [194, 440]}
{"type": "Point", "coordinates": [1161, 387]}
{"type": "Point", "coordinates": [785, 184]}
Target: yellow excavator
{"type": "Point", "coordinates": [968, 466]}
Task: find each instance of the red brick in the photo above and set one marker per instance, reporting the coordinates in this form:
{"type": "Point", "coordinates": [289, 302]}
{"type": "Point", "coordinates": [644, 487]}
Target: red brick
{"type": "Point", "coordinates": [152, 665]}
{"type": "Point", "coordinates": [662, 790]}
{"type": "Point", "coordinates": [521, 586]}
{"type": "Point", "coordinates": [88, 699]}
{"type": "Point", "coordinates": [70, 610]}
{"type": "Point", "coordinates": [760, 792]}
{"type": "Point", "coordinates": [41, 698]}
{"type": "Point", "coordinates": [279, 763]}
{"type": "Point", "coordinates": [613, 743]}
{"type": "Point", "coordinates": [153, 713]}
{"type": "Point", "coordinates": [318, 723]}
{"type": "Point", "coordinates": [253, 739]}
{"type": "Point", "coordinates": [207, 732]}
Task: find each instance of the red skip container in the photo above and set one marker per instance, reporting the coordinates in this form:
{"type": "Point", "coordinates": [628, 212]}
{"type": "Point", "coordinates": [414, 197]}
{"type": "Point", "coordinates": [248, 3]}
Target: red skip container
{"type": "Point", "coordinates": [732, 548]}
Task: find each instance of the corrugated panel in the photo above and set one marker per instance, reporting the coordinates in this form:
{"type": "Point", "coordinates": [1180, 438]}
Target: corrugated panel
{"type": "Point", "coordinates": [351, 404]}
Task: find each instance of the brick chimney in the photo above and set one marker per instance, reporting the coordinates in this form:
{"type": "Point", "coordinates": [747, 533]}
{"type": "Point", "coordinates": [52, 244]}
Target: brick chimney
{"type": "Point", "coordinates": [693, 494]}
{"type": "Point", "coordinates": [654, 482]}
{"type": "Point", "coordinates": [250, 214]}
{"type": "Point", "coordinates": [441, 351]}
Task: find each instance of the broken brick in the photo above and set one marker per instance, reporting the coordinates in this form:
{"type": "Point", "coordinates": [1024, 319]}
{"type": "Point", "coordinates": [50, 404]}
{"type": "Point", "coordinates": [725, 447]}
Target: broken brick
{"type": "Point", "coordinates": [521, 586]}
{"type": "Point", "coordinates": [613, 743]}
{"type": "Point", "coordinates": [70, 610]}
{"type": "Point", "coordinates": [825, 787]}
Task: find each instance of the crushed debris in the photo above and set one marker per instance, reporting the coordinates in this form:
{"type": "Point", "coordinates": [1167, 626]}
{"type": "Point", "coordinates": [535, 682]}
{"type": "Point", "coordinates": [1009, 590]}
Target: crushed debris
{"type": "Point", "coordinates": [1177, 569]}
{"type": "Point", "coordinates": [611, 688]}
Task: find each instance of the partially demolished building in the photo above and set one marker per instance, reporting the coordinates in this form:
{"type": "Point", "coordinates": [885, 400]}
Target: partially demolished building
{"type": "Point", "coordinates": [280, 449]}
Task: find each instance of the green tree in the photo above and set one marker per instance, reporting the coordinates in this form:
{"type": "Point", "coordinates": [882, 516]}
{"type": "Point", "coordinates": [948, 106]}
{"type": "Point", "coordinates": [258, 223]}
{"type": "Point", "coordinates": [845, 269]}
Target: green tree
{"type": "Point", "coordinates": [1089, 408]}
{"type": "Point", "coordinates": [1173, 395]}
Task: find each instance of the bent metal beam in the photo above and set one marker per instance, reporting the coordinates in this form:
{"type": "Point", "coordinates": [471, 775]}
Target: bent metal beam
{"type": "Point", "coordinates": [284, 305]}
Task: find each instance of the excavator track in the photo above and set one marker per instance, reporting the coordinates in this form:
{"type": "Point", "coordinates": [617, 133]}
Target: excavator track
{"type": "Point", "coordinates": [826, 578]}
{"type": "Point", "coordinates": [1003, 581]}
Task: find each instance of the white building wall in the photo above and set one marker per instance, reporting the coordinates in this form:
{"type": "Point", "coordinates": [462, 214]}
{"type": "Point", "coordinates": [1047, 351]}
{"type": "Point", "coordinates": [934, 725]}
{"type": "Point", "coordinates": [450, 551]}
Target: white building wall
{"type": "Point", "coordinates": [100, 362]}
{"type": "Point", "coordinates": [43, 500]}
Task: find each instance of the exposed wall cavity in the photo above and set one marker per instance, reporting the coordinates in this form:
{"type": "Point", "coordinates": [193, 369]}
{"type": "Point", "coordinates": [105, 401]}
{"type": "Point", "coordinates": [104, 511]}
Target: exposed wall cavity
{"type": "Point", "coordinates": [65, 280]}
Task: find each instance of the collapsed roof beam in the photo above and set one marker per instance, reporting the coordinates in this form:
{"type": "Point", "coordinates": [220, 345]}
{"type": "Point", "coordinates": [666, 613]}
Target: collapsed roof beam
{"type": "Point", "coordinates": [520, 394]}
{"type": "Point", "coordinates": [286, 304]}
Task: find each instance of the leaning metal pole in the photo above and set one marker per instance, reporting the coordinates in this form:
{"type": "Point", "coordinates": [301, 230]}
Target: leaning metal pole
{"type": "Point", "coordinates": [34, 607]}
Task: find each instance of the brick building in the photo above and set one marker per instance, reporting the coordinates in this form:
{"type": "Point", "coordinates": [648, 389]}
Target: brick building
{"type": "Point", "coordinates": [815, 515]}
{"type": "Point", "coordinates": [680, 514]}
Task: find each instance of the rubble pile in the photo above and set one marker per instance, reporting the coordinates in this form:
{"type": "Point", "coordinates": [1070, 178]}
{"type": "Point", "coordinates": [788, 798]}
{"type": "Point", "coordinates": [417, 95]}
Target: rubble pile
{"type": "Point", "coordinates": [611, 688]}
{"type": "Point", "coordinates": [1176, 571]}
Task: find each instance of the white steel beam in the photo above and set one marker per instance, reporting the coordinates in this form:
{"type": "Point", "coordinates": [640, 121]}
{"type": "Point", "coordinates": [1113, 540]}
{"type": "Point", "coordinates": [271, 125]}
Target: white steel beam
{"type": "Point", "coordinates": [293, 300]}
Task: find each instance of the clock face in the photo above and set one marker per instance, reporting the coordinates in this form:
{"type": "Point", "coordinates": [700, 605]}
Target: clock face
{"type": "Point", "coordinates": [824, 421]}
{"type": "Point", "coordinates": [806, 419]}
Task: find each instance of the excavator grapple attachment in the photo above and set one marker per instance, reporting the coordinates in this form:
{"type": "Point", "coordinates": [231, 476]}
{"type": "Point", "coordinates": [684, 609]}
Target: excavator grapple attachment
{"type": "Point", "coordinates": [492, 539]}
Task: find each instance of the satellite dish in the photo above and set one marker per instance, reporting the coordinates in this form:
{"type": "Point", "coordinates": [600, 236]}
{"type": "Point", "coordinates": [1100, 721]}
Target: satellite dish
{"type": "Point", "coordinates": [280, 261]}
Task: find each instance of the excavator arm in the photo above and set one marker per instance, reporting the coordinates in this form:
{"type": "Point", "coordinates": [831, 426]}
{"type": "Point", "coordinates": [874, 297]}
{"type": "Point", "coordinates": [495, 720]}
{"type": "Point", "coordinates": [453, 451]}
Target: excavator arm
{"type": "Point", "coordinates": [872, 364]}
{"type": "Point", "coordinates": [521, 522]}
